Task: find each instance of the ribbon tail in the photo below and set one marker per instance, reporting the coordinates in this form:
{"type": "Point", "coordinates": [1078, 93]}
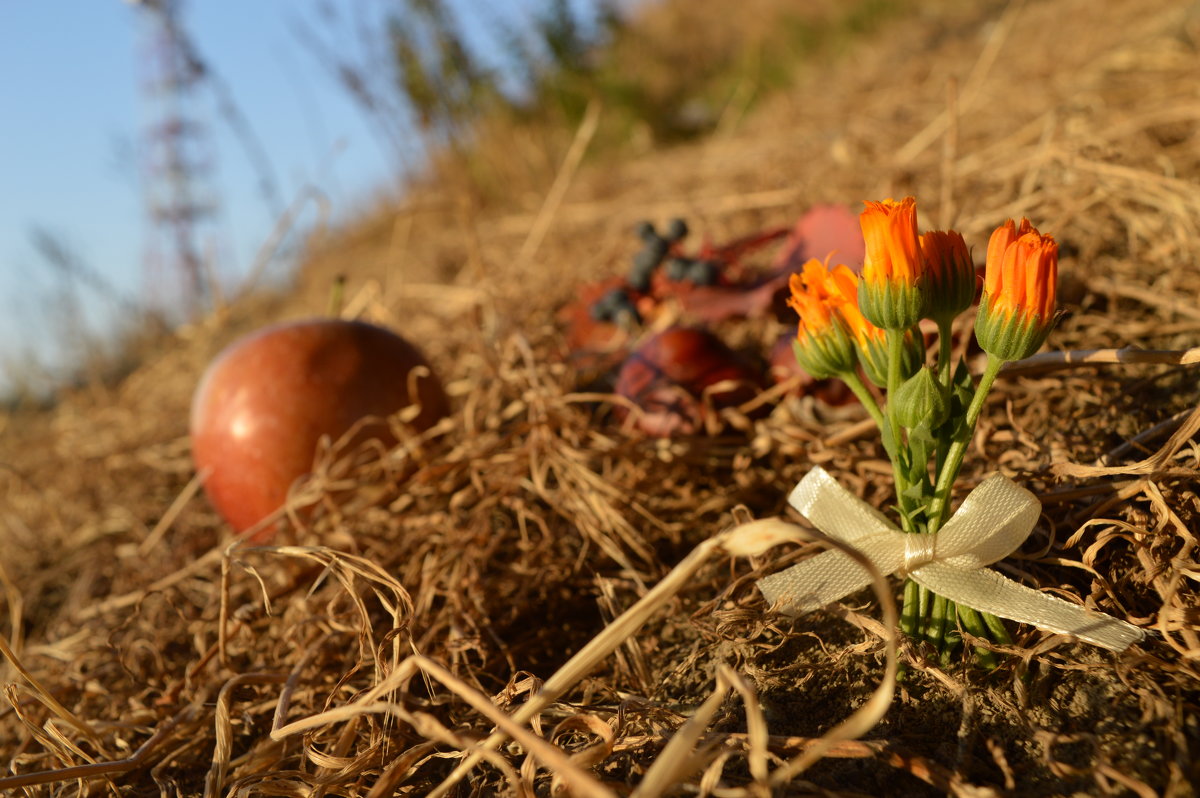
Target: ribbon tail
{"type": "Point", "coordinates": [812, 584]}
{"type": "Point", "coordinates": [988, 591]}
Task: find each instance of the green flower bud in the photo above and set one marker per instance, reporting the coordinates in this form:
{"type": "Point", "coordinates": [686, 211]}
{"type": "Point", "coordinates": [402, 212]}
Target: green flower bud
{"type": "Point", "coordinates": [1017, 308]}
{"type": "Point", "coordinates": [894, 294]}
{"type": "Point", "coordinates": [921, 399]}
{"type": "Point", "coordinates": [824, 356]}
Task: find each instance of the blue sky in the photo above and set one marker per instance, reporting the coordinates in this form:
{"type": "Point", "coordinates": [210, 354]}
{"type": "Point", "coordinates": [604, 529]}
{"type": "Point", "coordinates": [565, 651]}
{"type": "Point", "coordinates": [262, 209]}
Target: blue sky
{"type": "Point", "coordinates": [73, 130]}
{"type": "Point", "coordinates": [75, 115]}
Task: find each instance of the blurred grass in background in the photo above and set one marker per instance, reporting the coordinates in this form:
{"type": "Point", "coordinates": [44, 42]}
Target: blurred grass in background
{"type": "Point", "coordinates": [666, 72]}
{"type": "Point", "coordinates": [495, 99]}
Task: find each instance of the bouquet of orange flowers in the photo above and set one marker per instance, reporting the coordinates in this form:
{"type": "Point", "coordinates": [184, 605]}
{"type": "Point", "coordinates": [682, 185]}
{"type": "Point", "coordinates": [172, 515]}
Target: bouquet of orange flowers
{"type": "Point", "coordinates": [853, 327]}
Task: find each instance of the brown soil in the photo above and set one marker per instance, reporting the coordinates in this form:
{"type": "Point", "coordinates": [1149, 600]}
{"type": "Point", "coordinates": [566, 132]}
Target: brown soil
{"type": "Point", "coordinates": [400, 614]}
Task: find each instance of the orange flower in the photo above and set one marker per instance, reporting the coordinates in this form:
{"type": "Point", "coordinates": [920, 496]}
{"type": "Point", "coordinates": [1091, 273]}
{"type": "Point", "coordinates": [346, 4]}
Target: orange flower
{"type": "Point", "coordinates": [890, 232]}
{"type": "Point", "coordinates": [1022, 277]}
{"type": "Point", "coordinates": [1003, 236]}
{"type": "Point", "coordinates": [842, 286]}
{"type": "Point", "coordinates": [810, 298]}
{"type": "Point", "coordinates": [823, 345]}
{"type": "Point", "coordinates": [951, 274]}
{"type": "Point", "coordinates": [894, 295]}
{"type": "Point", "coordinates": [1018, 305]}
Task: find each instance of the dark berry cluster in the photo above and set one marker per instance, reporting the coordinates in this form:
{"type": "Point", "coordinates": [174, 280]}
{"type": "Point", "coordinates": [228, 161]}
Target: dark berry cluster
{"type": "Point", "coordinates": [700, 272]}
{"type": "Point", "coordinates": [616, 306]}
{"type": "Point", "coordinates": [657, 247]}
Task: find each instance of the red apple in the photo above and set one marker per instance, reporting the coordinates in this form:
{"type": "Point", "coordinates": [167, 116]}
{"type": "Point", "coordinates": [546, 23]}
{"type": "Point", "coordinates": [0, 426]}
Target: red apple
{"type": "Point", "coordinates": [263, 404]}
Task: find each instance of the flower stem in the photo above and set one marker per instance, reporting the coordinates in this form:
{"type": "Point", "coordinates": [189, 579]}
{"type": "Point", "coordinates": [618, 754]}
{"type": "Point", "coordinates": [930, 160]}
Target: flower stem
{"type": "Point", "coordinates": [924, 599]}
{"type": "Point", "coordinates": [855, 383]}
{"type": "Point", "coordinates": [944, 331]}
{"type": "Point", "coordinates": [909, 617]}
{"type": "Point", "coordinates": [868, 401]}
{"type": "Point", "coordinates": [895, 341]}
{"type": "Point", "coordinates": [996, 629]}
{"type": "Point", "coordinates": [974, 623]}
{"type": "Point", "coordinates": [954, 456]}
{"type": "Point", "coordinates": [936, 630]}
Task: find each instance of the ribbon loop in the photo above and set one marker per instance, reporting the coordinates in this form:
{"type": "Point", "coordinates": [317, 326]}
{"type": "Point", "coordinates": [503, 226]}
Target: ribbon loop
{"type": "Point", "coordinates": [992, 522]}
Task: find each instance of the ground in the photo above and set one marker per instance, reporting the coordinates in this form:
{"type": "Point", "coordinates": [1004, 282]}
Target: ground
{"type": "Point", "coordinates": [439, 585]}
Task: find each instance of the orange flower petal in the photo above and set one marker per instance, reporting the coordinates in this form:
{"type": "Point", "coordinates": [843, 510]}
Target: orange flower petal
{"type": "Point", "coordinates": [893, 251]}
{"type": "Point", "coordinates": [1022, 271]}
{"type": "Point", "coordinates": [998, 244]}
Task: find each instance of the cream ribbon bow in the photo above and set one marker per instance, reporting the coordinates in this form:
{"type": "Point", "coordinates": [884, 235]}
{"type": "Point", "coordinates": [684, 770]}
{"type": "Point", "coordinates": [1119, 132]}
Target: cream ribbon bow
{"type": "Point", "coordinates": [992, 522]}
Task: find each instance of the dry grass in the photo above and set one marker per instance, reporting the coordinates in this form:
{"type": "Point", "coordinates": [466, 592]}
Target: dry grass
{"type": "Point", "coordinates": [406, 628]}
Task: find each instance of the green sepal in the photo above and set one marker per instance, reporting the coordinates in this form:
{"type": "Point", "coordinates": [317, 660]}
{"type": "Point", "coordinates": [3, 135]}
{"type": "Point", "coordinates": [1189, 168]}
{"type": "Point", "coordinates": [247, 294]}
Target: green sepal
{"type": "Point", "coordinates": [826, 355]}
{"type": "Point", "coordinates": [1010, 337]}
{"type": "Point", "coordinates": [894, 304]}
{"type": "Point", "coordinates": [874, 358]}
